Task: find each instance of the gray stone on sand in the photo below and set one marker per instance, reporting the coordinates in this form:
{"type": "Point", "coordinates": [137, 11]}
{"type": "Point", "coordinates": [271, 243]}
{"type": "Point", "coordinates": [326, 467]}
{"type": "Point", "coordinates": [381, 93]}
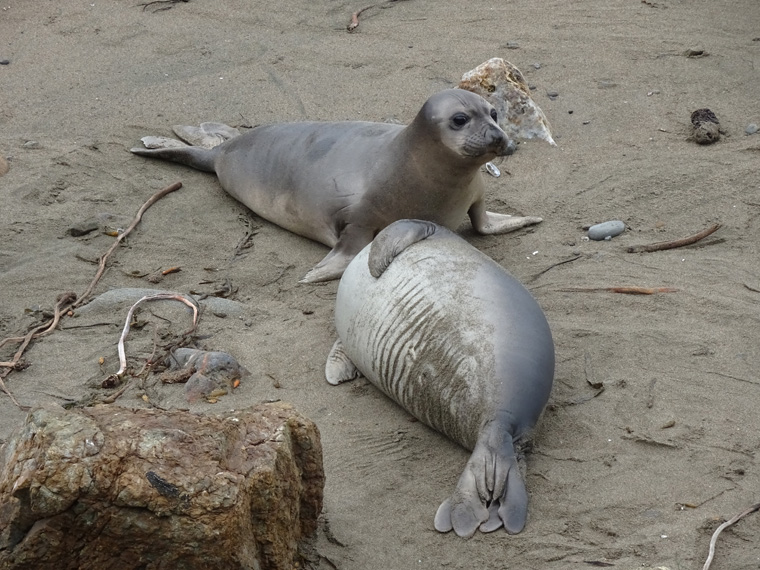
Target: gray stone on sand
{"type": "Point", "coordinates": [606, 230]}
{"type": "Point", "coordinates": [110, 487]}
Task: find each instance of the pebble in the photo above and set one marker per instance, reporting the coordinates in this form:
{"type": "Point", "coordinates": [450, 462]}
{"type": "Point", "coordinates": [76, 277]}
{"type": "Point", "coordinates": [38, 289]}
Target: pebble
{"type": "Point", "coordinates": [536, 65]}
{"type": "Point", "coordinates": [751, 129]}
{"type": "Point", "coordinates": [552, 95]}
{"type": "Point", "coordinates": [606, 230]}
{"type": "Point", "coordinates": [31, 144]}
{"type": "Point", "coordinates": [492, 169]}
{"type": "Point", "coordinates": [5, 61]}
{"type": "Point", "coordinates": [84, 228]}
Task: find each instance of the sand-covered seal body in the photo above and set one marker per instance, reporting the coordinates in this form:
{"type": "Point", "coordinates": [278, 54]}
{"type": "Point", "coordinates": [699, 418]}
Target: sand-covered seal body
{"type": "Point", "coordinates": [341, 183]}
{"type": "Point", "coordinates": [459, 343]}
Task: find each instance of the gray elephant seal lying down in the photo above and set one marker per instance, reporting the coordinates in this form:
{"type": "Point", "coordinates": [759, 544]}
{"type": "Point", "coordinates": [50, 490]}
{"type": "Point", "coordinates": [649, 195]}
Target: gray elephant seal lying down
{"type": "Point", "coordinates": [460, 344]}
{"type": "Point", "coordinates": [341, 183]}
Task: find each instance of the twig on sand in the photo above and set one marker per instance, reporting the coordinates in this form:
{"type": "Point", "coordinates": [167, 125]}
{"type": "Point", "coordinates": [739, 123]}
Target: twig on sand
{"type": "Point", "coordinates": [720, 529]}
{"type": "Point", "coordinates": [354, 23]}
{"type": "Point", "coordinates": [659, 246]}
{"type": "Point", "coordinates": [624, 290]}
{"type": "Point", "coordinates": [355, 18]}
{"type": "Point", "coordinates": [65, 300]}
{"type": "Point", "coordinates": [553, 265]}
{"type": "Point", "coordinates": [102, 262]}
{"type": "Point", "coordinates": [189, 301]}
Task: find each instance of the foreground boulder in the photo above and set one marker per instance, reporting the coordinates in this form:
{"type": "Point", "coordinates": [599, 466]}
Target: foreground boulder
{"type": "Point", "coordinates": [112, 488]}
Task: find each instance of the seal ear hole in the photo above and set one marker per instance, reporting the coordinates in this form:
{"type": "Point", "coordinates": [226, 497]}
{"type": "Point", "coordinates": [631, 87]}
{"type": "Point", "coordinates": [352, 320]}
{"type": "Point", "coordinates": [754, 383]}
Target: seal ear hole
{"type": "Point", "coordinates": [460, 120]}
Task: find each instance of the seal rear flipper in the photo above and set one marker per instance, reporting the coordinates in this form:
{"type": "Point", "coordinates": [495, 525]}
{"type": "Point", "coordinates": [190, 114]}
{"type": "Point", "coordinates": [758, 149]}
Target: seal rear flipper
{"type": "Point", "coordinates": [490, 493]}
{"type": "Point", "coordinates": [339, 368]}
{"type": "Point", "coordinates": [207, 135]}
{"type": "Point", "coordinates": [193, 156]}
{"type": "Point", "coordinates": [393, 240]}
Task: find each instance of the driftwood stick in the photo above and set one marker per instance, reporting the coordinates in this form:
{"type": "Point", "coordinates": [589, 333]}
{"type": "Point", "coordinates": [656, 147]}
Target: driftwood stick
{"type": "Point", "coordinates": [190, 302]}
{"type": "Point", "coordinates": [102, 263]}
{"type": "Point", "coordinates": [720, 529]}
{"type": "Point", "coordinates": [624, 290]}
{"type": "Point", "coordinates": [659, 246]}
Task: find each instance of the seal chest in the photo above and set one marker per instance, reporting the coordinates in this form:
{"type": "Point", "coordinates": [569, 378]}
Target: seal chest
{"type": "Point", "coordinates": [460, 344]}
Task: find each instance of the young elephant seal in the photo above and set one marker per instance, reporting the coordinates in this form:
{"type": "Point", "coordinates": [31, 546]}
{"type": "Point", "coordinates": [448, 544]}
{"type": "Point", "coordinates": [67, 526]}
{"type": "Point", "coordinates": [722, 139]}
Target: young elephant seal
{"type": "Point", "coordinates": [460, 344]}
{"type": "Point", "coordinates": [341, 183]}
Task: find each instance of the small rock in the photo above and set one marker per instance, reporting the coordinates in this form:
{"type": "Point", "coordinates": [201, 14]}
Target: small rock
{"type": "Point", "coordinates": [706, 126]}
{"type": "Point", "coordinates": [606, 84]}
{"type": "Point", "coordinates": [31, 144]}
{"type": "Point", "coordinates": [751, 129]}
{"type": "Point", "coordinates": [606, 230]}
{"type": "Point", "coordinates": [83, 228]}
{"type": "Point", "coordinates": [4, 61]}
{"type": "Point", "coordinates": [536, 65]}
{"type": "Point", "coordinates": [695, 52]}
{"type": "Point", "coordinates": [512, 45]}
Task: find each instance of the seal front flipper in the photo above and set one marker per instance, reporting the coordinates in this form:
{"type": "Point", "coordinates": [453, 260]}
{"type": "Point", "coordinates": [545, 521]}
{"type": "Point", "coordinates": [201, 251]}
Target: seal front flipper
{"type": "Point", "coordinates": [487, 223]}
{"type": "Point", "coordinates": [393, 240]}
{"type": "Point", "coordinates": [339, 368]}
{"type": "Point", "coordinates": [352, 240]}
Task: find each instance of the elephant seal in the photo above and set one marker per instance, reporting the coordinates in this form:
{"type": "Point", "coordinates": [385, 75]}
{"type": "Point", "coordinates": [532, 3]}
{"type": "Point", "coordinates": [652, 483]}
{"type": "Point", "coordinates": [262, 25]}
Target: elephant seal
{"type": "Point", "coordinates": [341, 183]}
{"type": "Point", "coordinates": [459, 343]}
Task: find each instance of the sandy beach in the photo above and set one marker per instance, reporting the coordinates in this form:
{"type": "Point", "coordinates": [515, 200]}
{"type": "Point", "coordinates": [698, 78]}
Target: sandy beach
{"type": "Point", "coordinates": [651, 436]}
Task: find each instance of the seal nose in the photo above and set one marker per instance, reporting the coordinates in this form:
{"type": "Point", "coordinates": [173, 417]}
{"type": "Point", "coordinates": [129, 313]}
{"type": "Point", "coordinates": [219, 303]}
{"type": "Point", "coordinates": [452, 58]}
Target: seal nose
{"type": "Point", "coordinates": [499, 142]}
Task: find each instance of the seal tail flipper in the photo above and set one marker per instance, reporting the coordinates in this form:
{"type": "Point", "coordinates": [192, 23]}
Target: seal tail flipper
{"type": "Point", "coordinates": [339, 367]}
{"type": "Point", "coordinates": [490, 493]}
{"type": "Point", "coordinates": [393, 240]}
{"type": "Point", "coordinates": [193, 156]}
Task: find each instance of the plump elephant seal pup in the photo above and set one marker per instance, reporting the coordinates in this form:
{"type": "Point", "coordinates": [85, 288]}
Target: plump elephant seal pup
{"type": "Point", "coordinates": [460, 344]}
{"type": "Point", "coordinates": [341, 183]}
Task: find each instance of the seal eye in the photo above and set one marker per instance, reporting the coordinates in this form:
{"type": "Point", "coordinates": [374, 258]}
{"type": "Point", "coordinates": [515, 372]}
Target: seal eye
{"type": "Point", "coordinates": [460, 120]}
{"type": "Point", "coordinates": [494, 115]}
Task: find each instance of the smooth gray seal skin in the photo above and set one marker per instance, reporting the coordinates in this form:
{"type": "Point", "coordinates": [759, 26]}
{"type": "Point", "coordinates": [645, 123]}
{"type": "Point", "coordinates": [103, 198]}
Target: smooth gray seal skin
{"type": "Point", "coordinates": [459, 343]}
{"type": "Point", "coordinates": [341, 183]}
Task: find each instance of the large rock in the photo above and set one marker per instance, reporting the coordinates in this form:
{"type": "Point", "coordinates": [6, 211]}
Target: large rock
{"type": "Point", "coordinates": [112, 488]}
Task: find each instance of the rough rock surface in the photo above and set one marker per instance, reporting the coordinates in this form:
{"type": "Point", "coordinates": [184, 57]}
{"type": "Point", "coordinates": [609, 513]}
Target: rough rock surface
{"type": "Point", "coordinates": [113, 488]}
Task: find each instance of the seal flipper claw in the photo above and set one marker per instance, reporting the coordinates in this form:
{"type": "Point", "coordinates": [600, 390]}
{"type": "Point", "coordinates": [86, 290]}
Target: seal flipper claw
{"type": "Point", "coordinates": [339, 368]}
